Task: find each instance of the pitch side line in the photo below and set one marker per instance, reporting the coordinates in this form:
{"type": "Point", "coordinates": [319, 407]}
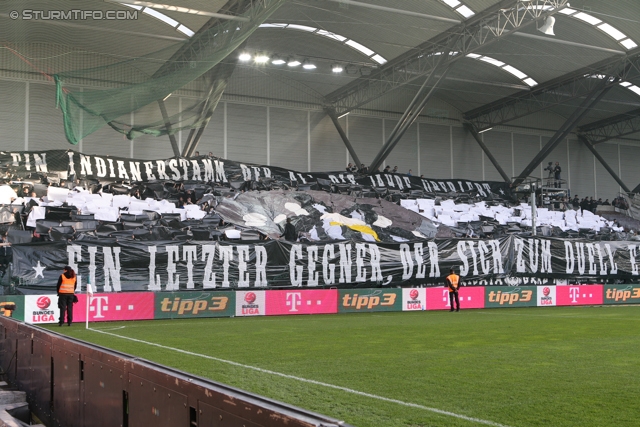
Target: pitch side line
{"type": "Point", "coordinates": [305, 380]}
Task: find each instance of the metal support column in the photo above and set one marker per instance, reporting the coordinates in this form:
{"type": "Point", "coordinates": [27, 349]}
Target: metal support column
{"type": "Point", "coordinates": [603, 162]}
{"type": "Point", "coordinates": [589, 102]}
{"type": "Point", "coordinates": [167, 123]}
{"type": "Point", "coordinates": [332, 114]}
{"type": "Point", "coordinates": [414, 109]}
{"type": "Point", "coordinates": [493, 160]}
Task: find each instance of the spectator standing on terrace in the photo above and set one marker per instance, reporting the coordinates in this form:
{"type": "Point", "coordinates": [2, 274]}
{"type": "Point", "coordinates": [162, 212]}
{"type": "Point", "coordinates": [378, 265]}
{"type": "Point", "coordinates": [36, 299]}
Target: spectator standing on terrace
{"type": "Point", "coordinates": [550, 175]}
{"type": "Point", "coordinates": [606, 202]}
{"type": "Point", "coordinates": [584, 205]}
{"type": "Point", "coordinates": [387, 169]}
{"type": "Point", "coordinates": [289, 231]}
{"type": "Point", "coordinates": [557, 170]}
{"type": "Point", "coordinates": [67, 283]}
{"type": "Point", "coordinates": [395, 169]}
{"type": "Point", "coordinates": [409, 173]}
{"type": "Point", "coordinates": [453, 283]}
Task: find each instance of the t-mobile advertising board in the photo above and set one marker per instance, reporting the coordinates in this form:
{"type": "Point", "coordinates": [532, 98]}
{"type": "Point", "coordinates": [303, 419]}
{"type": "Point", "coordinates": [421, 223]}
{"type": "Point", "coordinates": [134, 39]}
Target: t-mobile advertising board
{"type": "Point", "coordinates": [115, 306]}
{"type": "Point", "coordinates": [302, 302]}
{"type": "Point", "coordinates": [470, 297]}
{"type": "Point", "coordinates": [580, 295]}
{"type": "Point", "coordinates": [250, 303]}
{"type": "Point", "coordinates": [41, 309]}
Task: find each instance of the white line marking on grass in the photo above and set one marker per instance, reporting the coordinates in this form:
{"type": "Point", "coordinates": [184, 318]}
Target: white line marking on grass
{"type": "Point", "coordinates": [305, 380]}
{"type": "Point", "coordinates": [112, 328]}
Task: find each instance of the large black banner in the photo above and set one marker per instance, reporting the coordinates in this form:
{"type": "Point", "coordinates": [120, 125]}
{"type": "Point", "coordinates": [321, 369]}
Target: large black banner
{"type": "Point", "coordinates": [173, 265]}
{"type": "Point", "coordinates": [221, 172]}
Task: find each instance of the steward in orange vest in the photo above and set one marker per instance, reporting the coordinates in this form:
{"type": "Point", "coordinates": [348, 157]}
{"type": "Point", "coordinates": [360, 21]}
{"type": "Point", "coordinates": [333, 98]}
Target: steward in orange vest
{"type": "Point", "coordinates": [66, 294]}
{"type": "Point", "coordinates": [453, 283]}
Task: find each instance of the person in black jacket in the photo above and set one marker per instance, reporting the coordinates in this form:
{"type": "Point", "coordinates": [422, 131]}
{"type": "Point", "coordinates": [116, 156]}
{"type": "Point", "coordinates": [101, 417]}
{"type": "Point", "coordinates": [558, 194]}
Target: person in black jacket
{"type": "Point", "coordinates": [67, 284]}
{"type": "Point", "coordinates": [290, 233]}
{"type": "Point", "coordinates": [584, 205]}
{"type": "Point", "coordinates": [557, 170]}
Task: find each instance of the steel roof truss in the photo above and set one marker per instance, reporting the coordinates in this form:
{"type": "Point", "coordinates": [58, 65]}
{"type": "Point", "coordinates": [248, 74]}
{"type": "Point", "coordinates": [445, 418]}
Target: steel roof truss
{"type": "Point", "coordinates": [485, 28]}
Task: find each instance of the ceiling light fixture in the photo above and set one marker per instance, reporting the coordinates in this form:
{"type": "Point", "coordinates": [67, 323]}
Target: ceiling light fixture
{"type": "Point", "coordinates": [261, 58]}
{"type": "Point", "coordinates": [351, 69]}
{"type": "Point", "coordinates": [307, 65]}
{"type": "Point", "coordinates": [337, 68]}
{"type": "Point", "coordinates": [293, 62]}
{"type": "Point", "coordinates": [244, 57]}
{"type": "Point", "coordinates": [547, 28]}
{"type": "Point", "coordinates": [277, 60]}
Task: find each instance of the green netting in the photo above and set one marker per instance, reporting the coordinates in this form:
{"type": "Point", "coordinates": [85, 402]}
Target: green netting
{"type": "Point", "coordinates": [140, 84]}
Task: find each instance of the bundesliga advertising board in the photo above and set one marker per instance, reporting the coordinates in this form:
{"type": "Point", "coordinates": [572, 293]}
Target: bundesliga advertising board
{"type": "Point", "coordinates": [250, 303]}
{"type": "Point", "coordinates": [41, 309]}
{"type": "Point", "coordinates": [546, 296]}
{"type": "Point", "coordinates": [414, 299]}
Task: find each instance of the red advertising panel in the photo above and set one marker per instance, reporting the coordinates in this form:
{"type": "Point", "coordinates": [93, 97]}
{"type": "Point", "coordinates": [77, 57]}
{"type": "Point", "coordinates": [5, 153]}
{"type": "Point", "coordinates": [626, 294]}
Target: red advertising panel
{"type": "Point", "coordinates": [115, 306]}
{"type": "Point", "coordinates": [470, 297]}
{"type": "Point", "coordinates": [579, 295]}
{"type": "Point", "coordinates": [301, 302]}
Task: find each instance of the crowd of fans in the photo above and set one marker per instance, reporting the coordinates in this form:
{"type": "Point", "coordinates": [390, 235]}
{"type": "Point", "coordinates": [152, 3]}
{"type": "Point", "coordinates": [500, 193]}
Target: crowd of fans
{"type": "Point", "coordinates": [365, 169]}
{"type": "Point", "coordinates": [590, 204]}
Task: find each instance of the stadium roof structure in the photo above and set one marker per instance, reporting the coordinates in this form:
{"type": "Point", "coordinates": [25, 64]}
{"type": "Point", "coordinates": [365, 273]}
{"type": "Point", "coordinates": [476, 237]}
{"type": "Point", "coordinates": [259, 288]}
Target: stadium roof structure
{"type": "Point", "coordinates": [484, 63]}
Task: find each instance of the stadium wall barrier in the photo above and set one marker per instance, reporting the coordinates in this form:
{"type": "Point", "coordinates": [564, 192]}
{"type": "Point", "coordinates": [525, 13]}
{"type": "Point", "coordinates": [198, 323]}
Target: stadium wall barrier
{"type": "Point", "coordinates": [72, 383]}
{"type": "Point", "coordinates": [112, 306]}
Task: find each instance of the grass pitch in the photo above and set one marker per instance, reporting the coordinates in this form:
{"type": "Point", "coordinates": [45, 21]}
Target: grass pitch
{"type": "Point", "coordinates": [576, 366]}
